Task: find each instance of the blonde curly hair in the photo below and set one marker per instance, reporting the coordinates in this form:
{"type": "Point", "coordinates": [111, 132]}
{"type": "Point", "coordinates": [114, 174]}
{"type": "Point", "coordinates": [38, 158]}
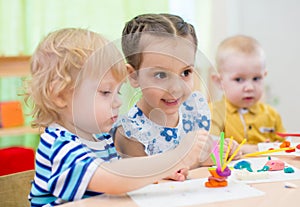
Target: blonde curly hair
{"type": "Point", "coordinates": [63, 57]}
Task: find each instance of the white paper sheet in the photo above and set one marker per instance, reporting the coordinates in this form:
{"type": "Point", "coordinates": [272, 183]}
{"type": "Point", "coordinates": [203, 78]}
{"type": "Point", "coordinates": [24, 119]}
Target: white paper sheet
{"type": "Point", "coordinates": [276, 145]}
{"type": "Point", "coordinates": [190, 192]}
{"type": "Point", "coordinates": [274, 176]}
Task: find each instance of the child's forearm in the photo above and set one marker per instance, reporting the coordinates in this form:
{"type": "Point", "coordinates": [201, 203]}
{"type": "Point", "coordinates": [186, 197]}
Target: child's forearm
{"type": "Point", "coordinates": [128, 174]}
{"type": "Point", "coordinates": [249, 148]}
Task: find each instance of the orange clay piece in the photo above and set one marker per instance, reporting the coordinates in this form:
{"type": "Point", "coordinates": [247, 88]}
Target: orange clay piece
{"type": "Point", "coordinates": [213, 172]}
{"type": "Point", "coordinates": [215, 183]}
{"type": "Point", "coordinates": [285, 144]}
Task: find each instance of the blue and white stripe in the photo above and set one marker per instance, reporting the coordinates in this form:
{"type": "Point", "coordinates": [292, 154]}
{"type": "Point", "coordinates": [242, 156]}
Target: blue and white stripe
{"type": "Point", "coordinates": [65, 165]}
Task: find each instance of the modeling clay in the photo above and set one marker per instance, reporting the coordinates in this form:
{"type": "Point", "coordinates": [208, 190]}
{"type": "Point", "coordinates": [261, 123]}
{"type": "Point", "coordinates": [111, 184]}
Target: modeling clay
{"type": "Point", "coordinates": [265, 168]}
{"type": "Point", "coordinates": [298, 148]}
{"type": "Point", "coordinates": [215, 180]}
{"type": "Point", "coordinates": [225, 173]}
{"type": "Point", "coordinates": [243, 165]}
{"type": "Point", "coordinates": [275, 165]}
{"type": "Point", "coordinates": [288, 170]}
{"type": "Point", "coordinates": [290, 150]}
{"type": "Point", "coordinates": [285, 144]}
{"type": "Point", "coordinates": [220, 173]}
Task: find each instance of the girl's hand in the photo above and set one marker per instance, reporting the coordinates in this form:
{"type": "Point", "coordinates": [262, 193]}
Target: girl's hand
{"type": "Point", "coordinates": [180, 175]}
{"type": "Point", "coordinates": [233, 147]}
{"type": "Point", "coordinates": [249, 148]}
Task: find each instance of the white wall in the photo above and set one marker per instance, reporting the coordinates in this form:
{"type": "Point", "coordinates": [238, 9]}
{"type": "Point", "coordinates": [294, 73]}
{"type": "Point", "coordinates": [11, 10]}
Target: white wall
{"type": "Point", "coordinates": [276, 25]}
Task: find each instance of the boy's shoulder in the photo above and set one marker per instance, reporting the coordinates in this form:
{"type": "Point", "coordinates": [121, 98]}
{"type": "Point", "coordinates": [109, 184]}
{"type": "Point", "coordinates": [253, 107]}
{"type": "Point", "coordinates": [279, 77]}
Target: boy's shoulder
{"type": "Point", "coordinates": [261, 106]}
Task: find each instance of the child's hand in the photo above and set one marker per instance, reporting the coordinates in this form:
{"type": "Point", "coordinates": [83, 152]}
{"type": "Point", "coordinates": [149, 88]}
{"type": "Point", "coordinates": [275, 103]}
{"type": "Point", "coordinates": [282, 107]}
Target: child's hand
{"type": "Point", "coordinates": [180, 175]}
{"type": "Point", "coordinates": [233, 147]}
{"type": "Point", "coordinates": [249, 148]}
{"type": "Point", "coordinates": [201, 149]}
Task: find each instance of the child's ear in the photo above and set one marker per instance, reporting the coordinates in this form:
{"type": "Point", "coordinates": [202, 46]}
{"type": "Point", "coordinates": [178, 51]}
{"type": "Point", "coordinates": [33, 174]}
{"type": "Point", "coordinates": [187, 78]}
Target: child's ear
{"type": "Point", "coordinates": [60, 101]}
{"type": "Point", "coordinates": [133, 76]}
{"type": "Point", "coordinates": [58, 98]}
{"type": "Point", "coordinates": [265, 73]}
{"type": "Point", "coordinates": [216, 78]}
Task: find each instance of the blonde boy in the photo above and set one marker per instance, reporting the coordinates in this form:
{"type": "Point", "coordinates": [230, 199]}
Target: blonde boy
{"type": "Point", "coordinates": [241, 67]}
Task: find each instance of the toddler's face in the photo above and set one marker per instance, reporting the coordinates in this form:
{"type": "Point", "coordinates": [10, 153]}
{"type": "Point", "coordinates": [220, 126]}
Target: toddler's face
{"type": "Point", "coordinates": [242, 78]}
{"type": "Point", "coordinates": [96, 104]}
{"type": "Point", "coordinates": [166, 75]}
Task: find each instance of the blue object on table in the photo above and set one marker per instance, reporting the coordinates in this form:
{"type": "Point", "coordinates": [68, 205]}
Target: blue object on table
{"type": "Point", "coordinates": [265, 168]}
{"type": "Point", "coordinates": [243, 165]}
{"type": "Point", "coordinates": [288, 170]}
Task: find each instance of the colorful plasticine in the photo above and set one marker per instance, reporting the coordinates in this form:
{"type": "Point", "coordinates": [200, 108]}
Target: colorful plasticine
{"type": "Point", "coordinates": [220, 173]}
{"type": "Point", "coordinates": [288, 170]}
{"type": "Point", "coordinates": [215, 180]}
{"type": "Point", "coordinates": [243, 165]}
{"type": "Point", "coordinates": [287, 144]}
{"type": "Point", "coordinates": [275, 165]}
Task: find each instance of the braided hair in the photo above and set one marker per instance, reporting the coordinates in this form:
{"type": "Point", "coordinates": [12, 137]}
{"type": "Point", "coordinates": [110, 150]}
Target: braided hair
{"type": "Point", "coordinates": [156, 25]}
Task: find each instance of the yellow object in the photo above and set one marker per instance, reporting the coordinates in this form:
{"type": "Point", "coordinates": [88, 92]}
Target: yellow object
{"type": "Point", "coordinates": [260, 117]}
{"type": "Point", "coordinates": [268, 151]}
{"type": "Point", "coordinates": [11, 114]}
{"type": "Point", "coordinates": [228, 149]}
{"type": "Point", "coordinates": [233, 154]}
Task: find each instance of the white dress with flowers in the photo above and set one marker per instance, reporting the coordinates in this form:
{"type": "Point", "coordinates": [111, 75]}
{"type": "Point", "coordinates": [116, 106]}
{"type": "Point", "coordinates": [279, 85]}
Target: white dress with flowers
{"type": "Point", "coordinates": [194, 114]}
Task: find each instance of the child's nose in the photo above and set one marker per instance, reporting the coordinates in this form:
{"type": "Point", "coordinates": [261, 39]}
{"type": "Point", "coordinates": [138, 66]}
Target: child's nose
{"type": "Point", "coordinates": [116, 103]}
{"type": "Point", "coordinates": [248, 86]}
{"type": "Point", "coordinates": [175, 85]}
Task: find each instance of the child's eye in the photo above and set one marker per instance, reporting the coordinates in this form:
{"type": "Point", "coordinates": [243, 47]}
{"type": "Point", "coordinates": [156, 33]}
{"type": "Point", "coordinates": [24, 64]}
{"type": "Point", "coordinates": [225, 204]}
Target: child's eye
{"type": "Point", "coordinates": [256, 78]}
{"type": "Point", "coordinates": [160, 75]}
{"type": "Point", "coordinates": [186, 73]}
{"type": "Point", "coordinates": [238, 80]}
{"type": "Point", "coordinates": [105, 93]}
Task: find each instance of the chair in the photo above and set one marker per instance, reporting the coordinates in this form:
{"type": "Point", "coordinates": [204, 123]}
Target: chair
{"type": "Point", "coordinates": [16, 159]}
{"type": "Point", "coordinates": [14, 189]}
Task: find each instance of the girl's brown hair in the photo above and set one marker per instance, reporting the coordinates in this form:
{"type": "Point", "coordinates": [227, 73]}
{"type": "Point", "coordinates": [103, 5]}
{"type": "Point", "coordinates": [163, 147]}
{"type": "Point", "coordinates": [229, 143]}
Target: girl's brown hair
{"type": "Point", "coordinates": [156, 25]}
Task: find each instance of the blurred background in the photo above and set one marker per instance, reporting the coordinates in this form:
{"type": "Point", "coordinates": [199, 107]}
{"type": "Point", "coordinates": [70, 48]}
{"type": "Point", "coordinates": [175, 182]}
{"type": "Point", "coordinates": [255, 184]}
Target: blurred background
{"type": "Point", "coordinates": [274, 23]}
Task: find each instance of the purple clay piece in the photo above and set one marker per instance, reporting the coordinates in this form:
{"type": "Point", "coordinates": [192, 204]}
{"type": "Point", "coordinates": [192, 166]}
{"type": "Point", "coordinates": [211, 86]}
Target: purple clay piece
{"type": "Point", "coordinates": [225, 173]}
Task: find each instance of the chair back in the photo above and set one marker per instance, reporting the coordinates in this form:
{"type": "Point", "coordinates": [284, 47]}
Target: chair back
{"type": "Point", "coordinates": [14, 189]}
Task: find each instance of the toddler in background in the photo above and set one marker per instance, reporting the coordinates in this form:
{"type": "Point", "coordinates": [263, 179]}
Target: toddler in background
{"type": "Point", "coordinates": [241, 67]}
{"type": "Point", "coordinates": [76, 77]}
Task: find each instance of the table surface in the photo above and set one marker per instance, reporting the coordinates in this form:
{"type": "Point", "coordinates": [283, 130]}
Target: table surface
{"type": "Point", "coordinates": [276, 195]}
